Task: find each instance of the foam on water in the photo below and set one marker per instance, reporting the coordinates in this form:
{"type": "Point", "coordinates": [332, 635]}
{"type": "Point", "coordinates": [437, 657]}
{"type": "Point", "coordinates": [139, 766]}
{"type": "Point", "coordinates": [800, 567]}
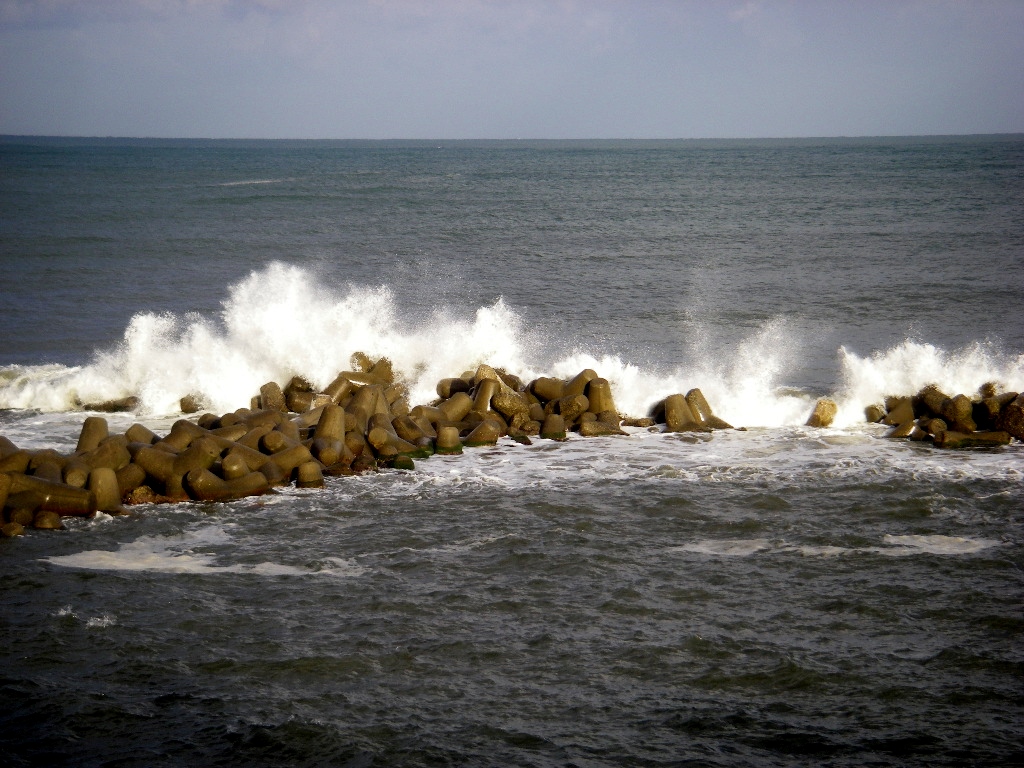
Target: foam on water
{"type": "Point", "coordinates": [725, 547]}
{"type": "Point", "coordinates": [249, 182]}
{"type": "Point", "coordinates": [283, 321]}
{"type": "Point", "coordinates": [178, 554]}
{"type": "Point", "coordinates": [933, 545]}
{"type": "Point", "coordinates": [892, 546]}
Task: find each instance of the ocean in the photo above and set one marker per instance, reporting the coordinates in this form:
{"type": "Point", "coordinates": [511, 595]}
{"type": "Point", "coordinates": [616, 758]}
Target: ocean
{"type": "Point", "coordinates": [779, 595]}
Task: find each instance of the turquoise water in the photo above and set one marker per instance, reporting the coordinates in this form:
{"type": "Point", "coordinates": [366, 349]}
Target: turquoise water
{"type": "Point", "coordinates": [777, 596]}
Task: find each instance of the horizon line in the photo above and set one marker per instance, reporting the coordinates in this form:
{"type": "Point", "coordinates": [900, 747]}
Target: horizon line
{"type": "Point", "coordinates": [125, 137]}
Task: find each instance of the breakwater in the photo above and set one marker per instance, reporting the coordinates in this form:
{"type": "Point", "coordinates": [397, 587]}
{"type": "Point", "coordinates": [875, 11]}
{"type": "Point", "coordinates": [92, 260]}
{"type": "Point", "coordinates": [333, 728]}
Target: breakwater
{"type": "Point", "coordinates": [363, 421]}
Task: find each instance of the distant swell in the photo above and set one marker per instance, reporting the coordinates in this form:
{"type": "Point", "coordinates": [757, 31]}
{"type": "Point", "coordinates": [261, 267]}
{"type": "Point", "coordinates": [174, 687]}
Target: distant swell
{"type": "Point", "coordinates": [283, 321]}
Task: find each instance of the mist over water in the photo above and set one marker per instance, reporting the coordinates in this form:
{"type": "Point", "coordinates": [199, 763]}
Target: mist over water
{"type": "Point", "coordinates": [782, 595]}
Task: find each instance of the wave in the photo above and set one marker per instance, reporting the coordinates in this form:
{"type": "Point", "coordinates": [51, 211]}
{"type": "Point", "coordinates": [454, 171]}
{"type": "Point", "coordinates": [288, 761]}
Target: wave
{"type": "Point", "coordinates": [250, 182]}
{"type": "Point", "coordinates": [283, 321]}
{"type": "Point", "coordinates": [907, 367]}
{"type": "Point", "coordinates": [892, 546]}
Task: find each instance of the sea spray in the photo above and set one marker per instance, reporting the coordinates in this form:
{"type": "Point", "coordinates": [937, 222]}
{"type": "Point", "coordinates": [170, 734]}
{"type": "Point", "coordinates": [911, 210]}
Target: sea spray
{"type": "Point", "coordinates": [748, 386]}
{"type": "Point", "coordinates": [277, 323]}
{"type": "Point", "coordinates": [905, 368]}
{"type": "Point", "coordinates": [283, 321]}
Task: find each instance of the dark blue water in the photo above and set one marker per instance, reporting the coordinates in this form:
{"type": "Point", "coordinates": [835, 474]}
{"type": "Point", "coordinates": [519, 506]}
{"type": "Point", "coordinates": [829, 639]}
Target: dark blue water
{"type": "Point", "coordinates": [778, 596]}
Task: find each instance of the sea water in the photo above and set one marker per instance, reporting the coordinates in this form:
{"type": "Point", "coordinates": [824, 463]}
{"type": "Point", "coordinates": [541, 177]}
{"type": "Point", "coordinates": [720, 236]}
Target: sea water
{"type": "Point", "coordinates": [781, 595]}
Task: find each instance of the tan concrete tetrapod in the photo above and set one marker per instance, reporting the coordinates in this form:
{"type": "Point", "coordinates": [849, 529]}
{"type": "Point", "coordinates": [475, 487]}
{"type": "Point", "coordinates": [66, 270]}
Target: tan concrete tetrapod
{"type": "Point", "coordinates": [272, 397]}
{"type": "Point", "coordinates": [385, 440]}
{"type": "Point", "coordinates": [907, 429]}
{"type": "Point", "coordinates": [365, 398]}
{"type": "Point", "coordinates": [274, 474]}
{"type": "Point", "coordinates": [233, 466]}
{"type": "Point", "coordinates": [47, 468]}
{"type": "Point", "coordinates": [951, 439]}
{"type": "Point", "coordinates": [485, 391]}
{"type": "Point", "coordinates": [547, 389]}
{"type": "Point", "coordinates": [203, 485]}
{"type": "Point", "coordinates": [5, 489]}
{"type": "Point", "coordinates": [900, 411]}
{"type": "Point", "coordinates": [424, 425]}
{"type": "Point", "coordinates": [932, 398]}
{"type": "Point", "coordinates": [874, 413]}
{"type": "Point", "coordinates": [958, 413]}
{"type": "Point", "coordinates": [331, 425]}
{"type": "Point", "coordinates": [328, 452]}
{"type": "Point", "coordinates": [679, 416]}
{"type": "Point", "coordinates": [94, 430]}
{"type": "Point", "coordinates": [156, 463]}
{"type": "Point", "coordinates": [309, 475]}
{"type": "Point", "coordinates": [578, 384]}
{"type": "Point", "coordinates": [456, 407]}
{"type": "Point", "coordinates": [571, 407]}
{"type": "Point", "coordinates": [251, 456]}
{"type": "Point", "coordinates": [486, 432]}
{"type": "Point", "coordinates": [599, 393]}
{"type": "Point", "coordinates": [6, 447]}
{"type": "Point", "coordinates": [448, 387]}
{"type": "Point", "coordinates": [16, 462]}
{"type": "Point", "coordinates": [137, 433]}
{"type": "Point", "coordinates": [407, 429]}
{"type": "Point", "coordinates": [290, 458]}
{"type": "Point", "coordinates": [1011, 417]}
{"type": "Point", "coordinates": [553, 427]}
{"type": "Point", "coordinates": [824, 412]}
{"type": "Point", "coordinates": [112, 452]}
{"type": "Point", "coordinates": [43, 495]}
{"type": "Point", "coordinates": [338, 389]}
{"type": "Point", "coordinates": [299, 401]}
{"type": "Point", "coordinates": [103, 483]}
{"type": "Point", "coordinates": [202, 453]}
{"type": "Point", "coordinates": [47, 520]}
{"type": "Point", "coordinates": [599, 428]}
{"type": "Point", "coordinates": [703, 412]}
{"type": "Point", "coordinates": [448, 442]}
{"type": "Point", "coordinates": [513, 407]}
{"type": "Point", "coordinates": [130, 477]}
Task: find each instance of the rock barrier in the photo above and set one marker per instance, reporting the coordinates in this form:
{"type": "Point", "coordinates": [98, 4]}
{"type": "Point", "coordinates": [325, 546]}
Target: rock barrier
{"type": "Point", "coordinates": [294, 434]}
{"type": "Point", "coordinates": [988, 419]}
{"type": "Point", "coordinates": [362, 421]}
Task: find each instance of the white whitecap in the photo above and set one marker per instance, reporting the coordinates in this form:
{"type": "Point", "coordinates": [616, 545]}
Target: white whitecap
{"type": "Point", "coordinates": [725, 547]}
{"type": "Point", "coordinates": [176, 554]}
{"type": "Point", "coordinates": [933, 545]}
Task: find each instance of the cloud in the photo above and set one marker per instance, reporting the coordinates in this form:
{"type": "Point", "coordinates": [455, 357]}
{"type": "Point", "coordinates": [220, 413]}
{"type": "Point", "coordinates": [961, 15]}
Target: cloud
{"type": "Point", "coordinates": [76, 13]}
{"type": "Point", "coordinates": [745, 11]}
{"type": "Point", "coordinates": [550, 68]}
{"type": "Point", "coordinates": [775, 27]}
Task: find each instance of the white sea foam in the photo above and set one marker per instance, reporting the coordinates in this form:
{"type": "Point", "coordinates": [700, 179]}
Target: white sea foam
{"type": "Point", "coordinates": [95, 622]}
{"type": "Point", "coordinates": [283, 321]}
{"type": "Point", "coordinates": [249, 182]}
{"type": "Point", "coordinates": [893, 546]}
{"type": "Point", "coordinates": [933, 545]}
{"type": "Point", "coordinates": [746, 389]}
{"type": "Point", "coordinates": [178, 554]}
{"type": "Point", "coordinates": [725, 547]}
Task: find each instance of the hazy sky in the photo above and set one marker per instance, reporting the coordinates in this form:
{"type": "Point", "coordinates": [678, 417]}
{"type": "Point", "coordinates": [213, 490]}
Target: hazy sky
{"type": "Point", "coordinates": [510, 69]}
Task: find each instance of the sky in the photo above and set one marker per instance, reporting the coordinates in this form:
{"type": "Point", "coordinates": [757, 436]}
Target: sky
{"type": "Point", "coordinates": [461, 69]}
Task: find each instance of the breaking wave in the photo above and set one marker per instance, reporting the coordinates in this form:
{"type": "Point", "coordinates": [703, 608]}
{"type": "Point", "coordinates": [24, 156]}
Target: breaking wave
{"type": "Point", "coordinates": [283, 321]}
